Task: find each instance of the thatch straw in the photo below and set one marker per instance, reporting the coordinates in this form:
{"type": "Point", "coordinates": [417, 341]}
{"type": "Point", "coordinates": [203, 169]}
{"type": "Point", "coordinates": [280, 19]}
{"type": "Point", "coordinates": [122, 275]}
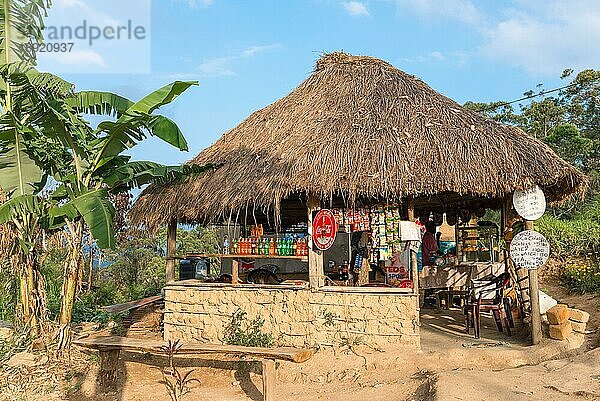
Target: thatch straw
{"type": "Point", "coordinates": [358, 127]}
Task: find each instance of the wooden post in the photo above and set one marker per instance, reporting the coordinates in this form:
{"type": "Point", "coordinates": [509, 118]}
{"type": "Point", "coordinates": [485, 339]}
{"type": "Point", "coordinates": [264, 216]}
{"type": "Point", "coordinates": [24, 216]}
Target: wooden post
{"type": "Point", "coordinates": [109, 360]}
{"type": "Point", "coordinates": [235, 272]}
{"type": "Point", "coordinates": [413, 255]}
{"type": "Point", "coordinates": [315, 258]}
{"type": "Point", "coordinates": [171, 249]}
{"type": "Point", "coordinates": [534, 298]}
{"type": "Point", "coordinates": [268, 377]}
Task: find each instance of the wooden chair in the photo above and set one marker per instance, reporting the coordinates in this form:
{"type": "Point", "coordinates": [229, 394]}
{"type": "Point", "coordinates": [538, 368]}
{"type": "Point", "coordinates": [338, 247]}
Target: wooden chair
{"type": "Point", "coordinates": [488, 295]}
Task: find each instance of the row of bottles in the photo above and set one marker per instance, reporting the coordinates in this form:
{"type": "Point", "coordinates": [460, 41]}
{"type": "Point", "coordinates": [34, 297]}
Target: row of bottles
{"type": "Point", "coordinates": [286, 246]}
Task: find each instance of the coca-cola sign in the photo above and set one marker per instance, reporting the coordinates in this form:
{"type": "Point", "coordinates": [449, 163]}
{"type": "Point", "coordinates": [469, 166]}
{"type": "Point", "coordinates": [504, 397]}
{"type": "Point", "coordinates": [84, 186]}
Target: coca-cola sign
{"type": "Point", "coordinates": [324, 230]}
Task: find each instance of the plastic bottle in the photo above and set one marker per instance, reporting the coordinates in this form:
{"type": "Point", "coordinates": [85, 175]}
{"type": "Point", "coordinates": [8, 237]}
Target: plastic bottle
{"type": "Point", "coordinates": [272, 247]}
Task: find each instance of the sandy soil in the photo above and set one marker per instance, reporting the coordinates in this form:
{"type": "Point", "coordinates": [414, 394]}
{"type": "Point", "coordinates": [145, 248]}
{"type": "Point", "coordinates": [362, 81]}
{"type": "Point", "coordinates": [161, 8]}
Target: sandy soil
{"type": "Point", "coordinates": [452, 365]}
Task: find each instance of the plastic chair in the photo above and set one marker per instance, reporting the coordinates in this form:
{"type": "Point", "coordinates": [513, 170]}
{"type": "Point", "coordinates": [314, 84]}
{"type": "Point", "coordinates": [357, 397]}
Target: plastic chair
{"type": "Point", "coordinates": [489, 296]}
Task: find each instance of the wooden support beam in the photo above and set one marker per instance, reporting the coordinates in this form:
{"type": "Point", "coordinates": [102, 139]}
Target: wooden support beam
{"type": "Point", "coordinates": [414, 263]}
{"type": "Point", "coordinates": [268, 377]}
{"type": "Point", "coordinates": [534, 298]}
{"type": "Point", "coordinates": [109, 361]}
{"type": "Point", "coordinates": [171, 250]}
{"type": "Point", "coordinates": [315, 258]}
{"type": "Point", "coordinates": [235, 272]}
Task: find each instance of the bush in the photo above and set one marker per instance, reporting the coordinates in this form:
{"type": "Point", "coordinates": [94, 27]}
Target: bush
{"type": "Point", "coordinates": [240, 332]}
{"type": "Point", "coordinates": [577, 236]}
{"type": "Point", "coordinates": [582, 276]}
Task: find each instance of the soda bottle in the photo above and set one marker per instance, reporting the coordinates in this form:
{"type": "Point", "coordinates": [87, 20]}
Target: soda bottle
{"type": "Point", "coordinates": [272, 247]}
{"type": "Point", "coordinates": [235, 247]}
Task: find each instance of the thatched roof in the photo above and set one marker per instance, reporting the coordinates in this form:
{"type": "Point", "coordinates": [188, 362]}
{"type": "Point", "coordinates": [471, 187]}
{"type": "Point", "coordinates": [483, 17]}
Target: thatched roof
{"type": "Point", "coordinates": [358, 127]}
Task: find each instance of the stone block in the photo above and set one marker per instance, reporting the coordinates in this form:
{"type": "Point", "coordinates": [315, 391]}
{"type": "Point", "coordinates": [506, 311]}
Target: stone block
{"type": "Point", "coordinates": [578, 327]}
{"type": "Point", "coordinates": [578, 315]}
{"type": "Point", "coordinates": [558, 314]}
{"type": "Point", "coordinates": [560, 331]}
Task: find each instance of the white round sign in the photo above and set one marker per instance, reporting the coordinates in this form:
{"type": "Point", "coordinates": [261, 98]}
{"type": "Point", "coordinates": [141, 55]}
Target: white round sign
{"type": "Point", "coordinates": [530, 204]}
{"type": "Point", "coordinates": [529, 249]}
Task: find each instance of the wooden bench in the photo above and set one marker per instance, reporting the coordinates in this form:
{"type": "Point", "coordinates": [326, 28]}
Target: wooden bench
{"type": "Point", "coordinates": [110, 348]}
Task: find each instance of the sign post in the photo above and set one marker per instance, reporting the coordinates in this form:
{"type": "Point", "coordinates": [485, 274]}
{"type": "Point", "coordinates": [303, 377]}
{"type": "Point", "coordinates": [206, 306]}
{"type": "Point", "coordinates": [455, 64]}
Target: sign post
{"type": "Point", "coordinates": [530, 250]}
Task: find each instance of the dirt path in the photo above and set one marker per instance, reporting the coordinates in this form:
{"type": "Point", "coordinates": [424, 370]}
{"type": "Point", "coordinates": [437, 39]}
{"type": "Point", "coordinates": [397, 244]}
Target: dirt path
{"type": "Point", "coordinates": [452, 365]}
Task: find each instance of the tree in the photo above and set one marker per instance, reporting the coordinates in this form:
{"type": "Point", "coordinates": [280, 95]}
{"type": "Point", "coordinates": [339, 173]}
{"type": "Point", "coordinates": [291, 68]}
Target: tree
{"type": "Point", "coordinates": [21, 24]}
{"type": "Point", "coordinates": [92, 164]}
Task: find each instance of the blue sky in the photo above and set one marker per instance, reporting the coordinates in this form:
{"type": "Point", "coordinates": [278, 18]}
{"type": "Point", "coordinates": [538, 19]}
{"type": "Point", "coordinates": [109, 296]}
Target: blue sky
{"type": "Point", "coordinates": [247, 54]}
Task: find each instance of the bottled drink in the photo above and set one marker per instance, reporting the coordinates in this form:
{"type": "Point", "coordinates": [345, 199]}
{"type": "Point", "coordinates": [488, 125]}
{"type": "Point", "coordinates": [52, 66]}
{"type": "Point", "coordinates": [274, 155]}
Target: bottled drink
{"type": "Point", "coordinates": [253, 245]}
{"type": "Point", "coordinates": [226, 249]}
{"type": "Point", "coordinates": [272, 247]}
{"type": "Point", "coordinates": [235, 247]}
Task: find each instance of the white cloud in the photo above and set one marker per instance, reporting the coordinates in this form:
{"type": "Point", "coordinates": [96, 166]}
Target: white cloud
{"type": "Point", "coordinates": [196, 3]}
{"type": "Point", "coordinates": [435, 10]}
{"type": "Point", "coordinates": [77, 58]}
{"type": "Point", "coordinates": [222, 66]}
{"type": "Point", "coordinates": [356, 8]}
{"type": "Point", "coordinates": [545, 38]}
{"type": "Point", "coordinates": [425, 58]}
{"type": "Point", "coordinates": [217, 67]}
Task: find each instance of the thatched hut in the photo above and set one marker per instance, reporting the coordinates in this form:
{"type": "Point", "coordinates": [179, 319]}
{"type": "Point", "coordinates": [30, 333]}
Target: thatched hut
{"type": "Point", "coordinates": [358, 131]}
{"type": "Point", "coordinates": [359, 127]}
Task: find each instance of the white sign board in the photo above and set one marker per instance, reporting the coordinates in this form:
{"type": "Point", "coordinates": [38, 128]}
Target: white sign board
{"type": "Point", "coordinates": [529, 249]}
{"type": "Point", "coordinates": [530, 204]}
{"type": "Point", "coordinates": [409, 231]}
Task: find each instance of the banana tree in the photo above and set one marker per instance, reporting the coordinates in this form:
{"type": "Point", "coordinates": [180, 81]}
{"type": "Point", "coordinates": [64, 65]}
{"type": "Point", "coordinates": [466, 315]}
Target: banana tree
{"type": "Point", "coordinates": [21, 24]}
{"type": "Point", "coordinates": [93, 162]}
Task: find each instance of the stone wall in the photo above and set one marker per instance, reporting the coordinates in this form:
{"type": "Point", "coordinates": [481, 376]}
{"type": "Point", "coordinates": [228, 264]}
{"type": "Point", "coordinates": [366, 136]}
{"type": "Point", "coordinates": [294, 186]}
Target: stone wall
{"type": "Point", "coordinates": [293, 316]}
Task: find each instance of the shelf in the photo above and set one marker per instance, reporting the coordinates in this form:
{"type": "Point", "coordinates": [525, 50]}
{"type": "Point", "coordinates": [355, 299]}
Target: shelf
{"type": "Point", "coordinates": [230, 256]}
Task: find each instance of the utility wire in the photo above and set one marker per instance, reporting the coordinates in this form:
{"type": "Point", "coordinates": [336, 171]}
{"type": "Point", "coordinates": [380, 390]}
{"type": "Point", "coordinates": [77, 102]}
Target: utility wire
{"type": "Point", "coordinates": [542, 93]}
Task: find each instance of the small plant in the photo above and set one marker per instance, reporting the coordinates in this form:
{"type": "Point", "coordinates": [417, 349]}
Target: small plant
{"type": "Point", "coordinates": [174, 381]}
{"type": "Point", "coordinates": [240, 332]}
{"type": "Point", "coordinates": [329, 317]}
{"type": "Point", "coordinates": [350, 342]}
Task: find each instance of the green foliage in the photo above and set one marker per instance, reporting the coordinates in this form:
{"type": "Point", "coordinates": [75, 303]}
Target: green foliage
{"type": "Point", "coordinates": [248, 334]}
{"type": "Point", "coordinates": [582, 276]}
{"type": "Point", "coordinates": [578, 236]}
{"type": "Point", "coordinates": [8, 294]}
{"type": "Point", "coordinates": [19, 342]}
{"type": "Point", "coordinates": [196, 239]}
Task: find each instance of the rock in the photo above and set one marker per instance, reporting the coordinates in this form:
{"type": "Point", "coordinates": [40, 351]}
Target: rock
{"type": "Point", "coordinates": [578, 315]}
{"type": "Point", "coordinates": [558, 314]}
{"type": "Point", "coordinates": [22, 359]}
{"type": "Point", "coordinates": [560, 331]}
{"type": "Point", "coordinates": [578, 327]}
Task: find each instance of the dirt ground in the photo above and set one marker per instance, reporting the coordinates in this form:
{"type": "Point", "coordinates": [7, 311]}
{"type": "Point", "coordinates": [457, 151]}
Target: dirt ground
{"type": "Point", "coordinates": [452, 365]}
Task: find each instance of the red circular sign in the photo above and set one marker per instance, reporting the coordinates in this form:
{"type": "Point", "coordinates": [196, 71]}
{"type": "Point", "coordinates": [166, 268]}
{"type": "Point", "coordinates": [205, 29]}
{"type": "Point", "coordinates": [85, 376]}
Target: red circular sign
{"type": "Point", "coordinates": [324, 230]}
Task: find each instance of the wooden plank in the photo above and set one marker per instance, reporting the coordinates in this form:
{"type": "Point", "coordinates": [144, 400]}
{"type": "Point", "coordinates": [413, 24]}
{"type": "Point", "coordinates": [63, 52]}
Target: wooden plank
{"type": "Point", "coordinates": [171, 249]}
{"type": "Point", "coordinates": [316, 274]}
{"type": "Point", "coordinates": [297, 355]}
{"type": "Point", "coordinates": [369, 290]}
{"type": "Point", "coordinates": [268, 377]}
{"type": "Point", "coordinates": [127, 306]}
{"type": "Point", "coordinates": [238, 256]}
